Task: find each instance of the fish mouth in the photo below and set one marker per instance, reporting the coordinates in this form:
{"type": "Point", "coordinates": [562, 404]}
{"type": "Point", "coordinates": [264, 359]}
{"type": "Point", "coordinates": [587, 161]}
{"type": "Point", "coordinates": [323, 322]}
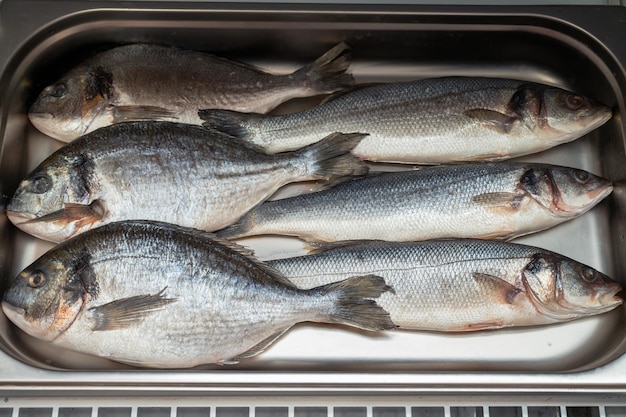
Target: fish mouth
{"type": "Point", "coordinates": [593, 198]}
{"type": "Point", "coordinates": [601, 192]}
{"type": "Point", "coordinates": [614, 297]}
{"type": "Point", "coordinates": [11, 310]}
{"type": "Point", "coordinates": [40, 115]}
{"type": "Point", "coordinates": [19, 217]}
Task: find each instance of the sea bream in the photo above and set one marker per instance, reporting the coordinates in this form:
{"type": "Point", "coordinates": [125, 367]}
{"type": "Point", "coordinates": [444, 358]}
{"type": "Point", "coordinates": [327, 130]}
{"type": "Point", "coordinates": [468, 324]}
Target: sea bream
{"type": "Point", "coordinates": [153, 82]}
{"type": "Point", "coordinates": [164, 171]}
{"type": "Point", "coordinates": [158, 295]}
{"type": "Point", "coordinates": [430, 121]}
{"type": "Point", "coordinates": [463, 285]}
{"type": "Point", "coordinates": [489, 201]}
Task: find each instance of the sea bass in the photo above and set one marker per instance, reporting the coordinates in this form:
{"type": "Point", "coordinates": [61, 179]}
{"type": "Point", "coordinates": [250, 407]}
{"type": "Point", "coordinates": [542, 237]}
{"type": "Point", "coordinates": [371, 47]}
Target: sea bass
{"type": "Point", "coordinates": [463, 285]}
{"type": "Point", "coordinates": [431, 121]}
{"type": "Point", "coordinates": [164, 171]}
{"type": "Point", "coordinates": [151, 82]}
{"type": "Point", "coordinates": [489, 201]}
{"type": "Point", "coordinates": [157, 295]}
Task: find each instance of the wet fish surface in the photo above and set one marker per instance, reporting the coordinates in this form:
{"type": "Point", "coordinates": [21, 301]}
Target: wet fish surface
{"type": "Point", "coordinates": [152, 82]}
{"type": "Point", "coordinates": [158, 295]}
{"type": "Point", "coordinates": [489, 201]}
{"type": "Point", "coordinates": [164, 171]}
{"type": "Point", "coordinates": [430, 121]}
{"type": "Point", "coordinates": [463, 285]}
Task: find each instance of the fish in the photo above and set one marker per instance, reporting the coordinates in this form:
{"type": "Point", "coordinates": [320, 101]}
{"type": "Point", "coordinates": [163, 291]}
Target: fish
{"type": "Point", "coordinates": [499, 200]}
{"type": "Point", "coordinates": [154, 82]}
{"type": "Point", "coordinates": [164, 171]}
{"type": "Point", "coordinates": [158, 295]}
{"type": "Point", "coordinates": [462, 285]}
{"type": "Point", "coordinates": [429, 121]}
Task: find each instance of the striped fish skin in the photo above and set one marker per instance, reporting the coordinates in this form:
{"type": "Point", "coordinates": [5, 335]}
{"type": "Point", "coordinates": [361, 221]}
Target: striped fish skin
{"type": "Point", "coordinates": [135, 82]}
{"type": "Point", "coordinates": [163, 171]}
{"type": "Point", "coordinates": [157, 295]}
{"type": "Point", "coordinates": [488, 201]}
{"type": "Point", "coordinates": [463, 285]}
{"type": "Point", "coordinates": [431, 121]}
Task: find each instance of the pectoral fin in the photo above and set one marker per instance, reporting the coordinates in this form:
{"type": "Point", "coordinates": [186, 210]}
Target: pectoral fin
{"type": "Point", "coordinates": [127, 113]}
{"type": "Point", "coordinates": [80, 214]}
{"type": "Point", "coordinates": [125, 312]}
{"type": "Point", "coordinates": [255, 350]}
{"type": "Point", "coordinates": [499, 121]}
{"type": "Point", "coordinates": [498, 200]}
{"type": "Point", "coordinates": [501, 291]}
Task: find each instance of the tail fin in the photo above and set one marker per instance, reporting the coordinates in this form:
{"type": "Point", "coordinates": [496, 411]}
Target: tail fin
{"type": "Point", "coordinates": [330, 158]}
{"type": "Point", "coordinates": [327, 73]}
{"type": "Point", "coordinates": [237, 124]}
{"type": "Point", "coordinates": [354, 305]}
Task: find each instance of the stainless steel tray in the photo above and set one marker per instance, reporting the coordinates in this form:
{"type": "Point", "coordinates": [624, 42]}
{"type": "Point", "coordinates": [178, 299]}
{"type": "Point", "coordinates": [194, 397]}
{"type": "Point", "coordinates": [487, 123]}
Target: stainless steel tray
{"type": "Point", "coordinates": [578, 48]}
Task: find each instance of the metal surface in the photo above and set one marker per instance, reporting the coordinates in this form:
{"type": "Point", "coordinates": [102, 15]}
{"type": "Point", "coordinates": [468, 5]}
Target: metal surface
{"type": "Point", "coordinates": [342, 407]}
{"type": "Point", "coordinates": [578, 48]}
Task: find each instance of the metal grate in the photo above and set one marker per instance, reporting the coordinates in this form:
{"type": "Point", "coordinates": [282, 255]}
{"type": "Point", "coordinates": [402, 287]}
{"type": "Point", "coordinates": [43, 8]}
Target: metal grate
{"type": "Point", "coordinates": [108, 409]}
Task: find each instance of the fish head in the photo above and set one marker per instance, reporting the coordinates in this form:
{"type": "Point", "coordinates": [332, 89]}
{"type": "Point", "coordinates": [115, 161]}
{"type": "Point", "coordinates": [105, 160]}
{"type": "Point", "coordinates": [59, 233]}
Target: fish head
{"type": "Point", "coordinates": [563, 289]}
{"type": "Point", "coordinates": [568, 116]}
{"type": "Point", "coordinates": [66, 109]}
{"type": "Point", "coordinates": [564, 191]}
{"type": "Point", "coordinates": [555, 115]}
{"type": "Point", "coordinates": [45, 298]}
{"type": "Point", "coordinates": [40, 204]}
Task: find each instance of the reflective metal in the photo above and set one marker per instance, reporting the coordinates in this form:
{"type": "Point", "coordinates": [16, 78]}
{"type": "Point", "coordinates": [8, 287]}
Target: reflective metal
{"type": "Point", "coordinates": [577, 48]}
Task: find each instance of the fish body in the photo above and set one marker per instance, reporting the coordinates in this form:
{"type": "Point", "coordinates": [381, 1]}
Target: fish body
{"type": "Point", "coordinates": [431, 121]}
{"type": "Point", "coordinates": [163, 171]}
{"type": "Point", "coordinates": [463, 285]}
{"type": "Point", "coordinates": [490, 201]}
{"type": "Point", "coordinates": [158, 295]}
{"type": "Point", "coordinates": [151, 82]}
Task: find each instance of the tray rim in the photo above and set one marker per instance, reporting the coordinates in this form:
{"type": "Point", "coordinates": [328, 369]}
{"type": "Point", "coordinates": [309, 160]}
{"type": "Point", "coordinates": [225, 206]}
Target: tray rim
{"type": "Point", "coordinates": [607, 378]}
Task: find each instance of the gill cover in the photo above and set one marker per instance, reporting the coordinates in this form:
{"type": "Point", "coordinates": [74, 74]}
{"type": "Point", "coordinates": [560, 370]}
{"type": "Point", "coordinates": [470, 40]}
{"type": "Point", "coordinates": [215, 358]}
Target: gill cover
{"type": "Point", "coordinates": [563, 191]}
{"type": "Point", "coordinates": [563, 289]}
{"type": "Point", "coordinates": [46, 298]}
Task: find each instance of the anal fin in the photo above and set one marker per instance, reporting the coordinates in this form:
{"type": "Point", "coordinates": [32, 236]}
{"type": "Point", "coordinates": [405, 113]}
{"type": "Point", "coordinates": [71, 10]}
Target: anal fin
{"type": "Point", "coordinates": [256, 349]}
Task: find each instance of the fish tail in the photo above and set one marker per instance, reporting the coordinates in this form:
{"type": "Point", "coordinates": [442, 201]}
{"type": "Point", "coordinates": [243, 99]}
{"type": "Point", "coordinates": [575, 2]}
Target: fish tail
{"type": "Point", "coordinates": [327, 74]}
{"type": "Point", "coordinates": [354, 305]}
{"type": "Point", "coordinates": [237, 124]}
{"type": "Point", "coordinates": [241, 228]}
{"type": "Point", "coordinates": [331, 157]}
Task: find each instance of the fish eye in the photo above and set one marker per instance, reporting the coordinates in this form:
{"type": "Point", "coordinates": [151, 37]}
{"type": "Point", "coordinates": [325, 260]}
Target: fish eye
{"type": "Point", "coordinates": [40, 184]}
{"type": "Point", "coordinates": [36, 279]}
{"type": "Point", "coordinates": [580, 175]}
{"type": "Point", "coordinates": [589, 274]}
{"type": "Point", "coordinates": [59, 90]}
{"type": "Point", "coordinates": [574, 102]}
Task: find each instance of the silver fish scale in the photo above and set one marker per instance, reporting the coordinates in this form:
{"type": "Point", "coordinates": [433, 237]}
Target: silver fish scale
{"type": "Point", "coordinates": [194, 161]}
{"type": "Point", "coordinates": [389, 102]}
{"type": "Point", "coordinates": [432, 121]}
{"type": "Point", "coordinates": [434, 285]}
{"type": "Point", "coordinates": [415, 205]}
{"type": "Point", "coordinates": [171, 172]}
{"type": "Point", "coordinates": [422, 111]}
{"type": "Point", "coordinates": [203, 80]}
{"type": "Point", "coordinates": [224, 303]}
